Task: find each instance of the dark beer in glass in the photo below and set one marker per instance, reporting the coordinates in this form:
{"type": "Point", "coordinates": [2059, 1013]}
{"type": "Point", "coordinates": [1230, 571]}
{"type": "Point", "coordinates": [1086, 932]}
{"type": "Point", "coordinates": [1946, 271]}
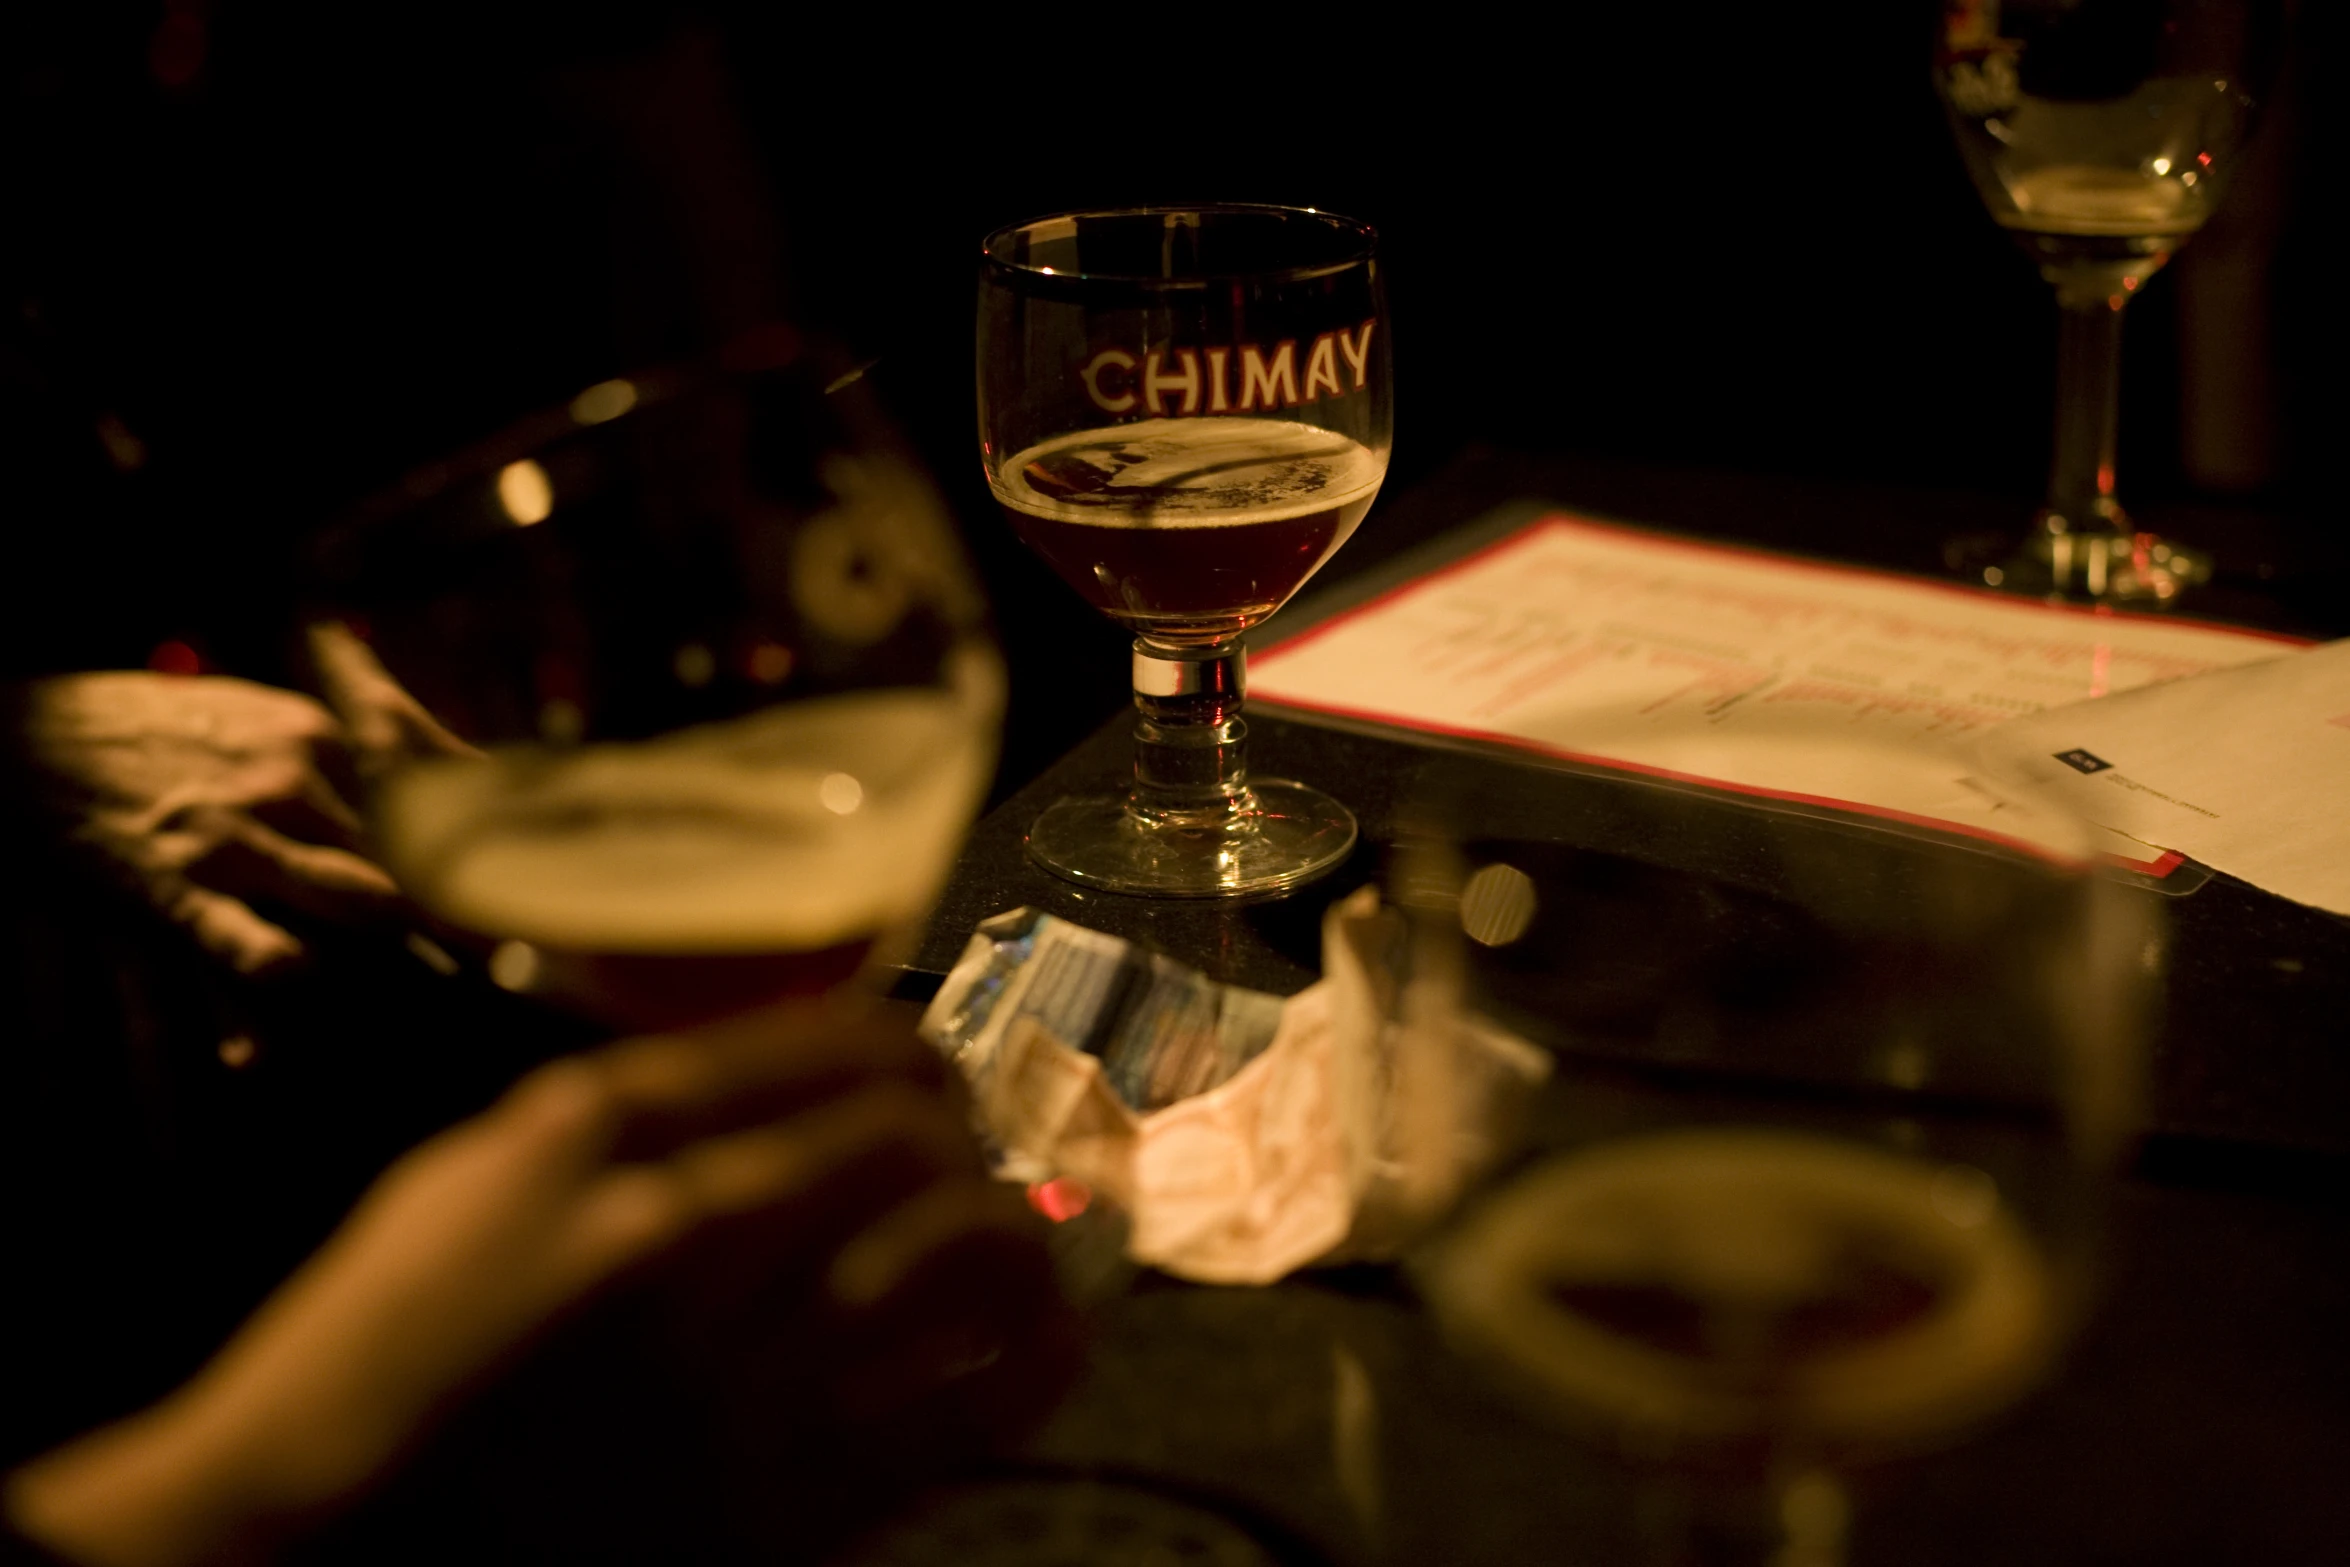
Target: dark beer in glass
{"type": "Point", "coordinates": [1185, 412]}
{"type": "Point", "coordinates": [683, 696]}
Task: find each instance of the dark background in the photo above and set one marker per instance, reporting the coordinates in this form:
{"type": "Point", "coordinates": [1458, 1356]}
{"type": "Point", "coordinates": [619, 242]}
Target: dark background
{"type": "Point", "coordinates": [1730, 237]}
{"type": "Point", "coordinates": [297, 254]}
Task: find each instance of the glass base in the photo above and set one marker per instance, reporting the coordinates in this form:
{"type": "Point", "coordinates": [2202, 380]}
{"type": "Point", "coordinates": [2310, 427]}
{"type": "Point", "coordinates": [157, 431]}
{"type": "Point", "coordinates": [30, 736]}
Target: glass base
{"type": "Point", "coordinates": [1286, 836]}
{"type": "Point", "coordinates": [2118, 568]}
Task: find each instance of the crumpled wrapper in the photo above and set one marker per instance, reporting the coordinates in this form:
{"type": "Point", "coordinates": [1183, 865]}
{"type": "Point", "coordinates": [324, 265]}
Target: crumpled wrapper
{"type": "Point", "coordinates": [1333, 1126]}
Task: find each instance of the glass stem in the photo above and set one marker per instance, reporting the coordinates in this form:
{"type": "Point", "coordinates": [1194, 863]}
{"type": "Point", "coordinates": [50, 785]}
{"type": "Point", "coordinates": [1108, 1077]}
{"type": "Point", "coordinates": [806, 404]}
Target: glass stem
{"type": "Point", "coordinates": [1713, 1519]}
{"type": "Point", "coordinates": [2088, 409]}
{"type": "Point", "coordinates": [1190, 743]}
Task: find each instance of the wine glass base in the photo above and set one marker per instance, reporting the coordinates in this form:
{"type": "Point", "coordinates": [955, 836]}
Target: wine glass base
{"type": "Point", "coordinates": [2120, 568]}
{"type": "Point", "coordinates": [1293, 835]}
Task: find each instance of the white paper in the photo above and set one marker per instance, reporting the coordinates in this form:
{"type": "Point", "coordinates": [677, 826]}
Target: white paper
{"type": "Point", "coordinates": [1302, 1155]}
{"type": "Point", "coordinates": [2247, 770]}
{"type": "Point", "coordinates": [1595, 643]}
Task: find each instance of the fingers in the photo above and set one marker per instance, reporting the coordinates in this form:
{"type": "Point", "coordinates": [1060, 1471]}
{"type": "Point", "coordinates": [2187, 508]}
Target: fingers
{"type": "Point", "coordinates": [292, 763]}
{"type": "Point", "coordinates": [762, 1212]}
{"type": "Point", "coordinates": [744, 1219]}
{"type": "Point", "coordinates": [228, 928]}
{"type": "Point", "coordinates": [313, 808]}
{"type": "Point", "coordinates": [955, 1306]}
{"type": "Point", "coordinates": [147, 749]}
{"type": "Point", "coordinates": [886, 1261]}
{"type": "Point", "coordinates": [298, 777]}
{"type": "Point", "coordinates": [851, 1247]}
{"type": "Point", "coordinates": [421, 734]}
{"type": "Point", "coordinates": [749, 1070]}
{"type": "Point", "coordinates": [384, 723]}
{"type": "Point", "coordinates": [252, 861]}
{"type": "Point", "coordinates": [826, 1173]}
{"type": "Point", "coordinates": [387, 726]}
{"type": "Point", "coordinates": [246, 711]}
{"type": "Point", "coordinates": [337, 777]}
{"type": "Point", "coordinates": [664, 1095]}
{"type": "Point", "coordinates": [207, 868]}
{"type": "Point", "coordinates": [221, 714]}
{"type": "Point", "coordinates": [754, 1205]}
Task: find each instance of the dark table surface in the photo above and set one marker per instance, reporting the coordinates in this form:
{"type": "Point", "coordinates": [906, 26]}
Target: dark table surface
{"type": "Point", "coordinates": [2203, 1416]}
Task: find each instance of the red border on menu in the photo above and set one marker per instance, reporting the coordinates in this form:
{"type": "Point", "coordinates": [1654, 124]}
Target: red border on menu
{"type": "Point", "coordinates": [2161, 865]}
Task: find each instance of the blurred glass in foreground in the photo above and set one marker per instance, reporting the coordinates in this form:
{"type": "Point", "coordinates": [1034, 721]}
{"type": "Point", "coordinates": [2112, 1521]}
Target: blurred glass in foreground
{"type": "Point", "coordinates": [1819, 1176]}
{"type": "Point", "coordinates": [680, 692]}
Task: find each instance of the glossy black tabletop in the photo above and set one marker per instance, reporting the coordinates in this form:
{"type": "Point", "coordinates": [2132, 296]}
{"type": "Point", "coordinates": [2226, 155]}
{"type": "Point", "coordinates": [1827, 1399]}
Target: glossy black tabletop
{"type": "Point", "coordinates": [2252, 1054]}
{"type": "Point", "coordinates": [2206, 1408]}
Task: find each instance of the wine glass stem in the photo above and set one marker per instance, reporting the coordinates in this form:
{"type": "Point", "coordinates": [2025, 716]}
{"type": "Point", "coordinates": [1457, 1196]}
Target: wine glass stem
{"type": "Point", "coordinates": [2088, 384]}
{"type": "Point", "coordinates": [1190, 743]}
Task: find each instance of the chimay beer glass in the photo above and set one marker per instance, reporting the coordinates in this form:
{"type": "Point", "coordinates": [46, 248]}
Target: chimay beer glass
{"type": "Point", "coordinates": [1185, 411]}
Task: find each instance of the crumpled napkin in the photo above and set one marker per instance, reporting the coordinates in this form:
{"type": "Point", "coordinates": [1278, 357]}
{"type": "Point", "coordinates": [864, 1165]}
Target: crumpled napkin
{"type": "Point", "coordinates": [1332, 1129]}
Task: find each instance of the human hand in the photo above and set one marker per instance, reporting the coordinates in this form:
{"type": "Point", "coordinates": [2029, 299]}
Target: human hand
{"type": "Point", "coordinates": [786, 1146]}
{"type": "Point", "coordinates": [382, 721]}
{"type": "Point", "coordinates": [212, 798]}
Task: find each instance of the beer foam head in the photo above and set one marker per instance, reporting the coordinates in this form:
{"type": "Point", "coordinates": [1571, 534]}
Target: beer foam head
{"type": "Point", "coordinates": [1193, 473]}
{"type": "Point", "coordinates": [793, 829]}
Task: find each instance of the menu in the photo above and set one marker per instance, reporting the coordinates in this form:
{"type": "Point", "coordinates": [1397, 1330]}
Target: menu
{"type": "Point", "coordinates": [1595, 643]}
{"type": "Point", "coordinates": [2244, 769]}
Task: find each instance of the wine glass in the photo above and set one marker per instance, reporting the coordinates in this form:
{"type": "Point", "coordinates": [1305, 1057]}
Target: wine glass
{"type": "Point", "coordinates": [1184, 411]}
{"type": "Point", "coordinates": [679, 694]}
{"type": "Point", "coordinates": [2101, 135]}
{"type": "Point", "coordinates": [1819, 1175]}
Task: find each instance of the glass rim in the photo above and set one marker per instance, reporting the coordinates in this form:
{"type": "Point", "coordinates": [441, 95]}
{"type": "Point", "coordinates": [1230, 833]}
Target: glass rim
{"type": "Point", "coordinates": [1365, 249]}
